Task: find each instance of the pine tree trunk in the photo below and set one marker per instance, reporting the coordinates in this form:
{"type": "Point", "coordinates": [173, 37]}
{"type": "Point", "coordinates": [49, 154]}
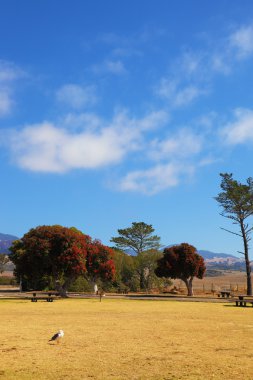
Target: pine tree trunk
{"type": "Point", "coordinates": [247, 261]}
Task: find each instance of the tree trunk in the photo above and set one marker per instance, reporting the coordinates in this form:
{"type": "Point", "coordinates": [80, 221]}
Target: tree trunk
{"type": "Point", "coordinates": [247, 261]}
{"type": "Point", "coordinates": [189, 287]}
{"type": "Point", "coordinates": [62, 292]}
{"type": "Point", "coordinates": [142, 280]}
{"type": "Point", "coordinates": [62, 288]}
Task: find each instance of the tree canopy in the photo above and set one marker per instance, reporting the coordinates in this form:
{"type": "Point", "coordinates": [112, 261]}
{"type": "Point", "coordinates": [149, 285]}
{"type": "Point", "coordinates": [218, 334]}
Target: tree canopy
{"type": "Point", "coordinates": [183, 262]}
{"type": "Point", "coordinates": [236, 200]}
{"type": "Point", "coordinates": [61, 254]}
{"type": "Point", "coordinates": [138, 238]}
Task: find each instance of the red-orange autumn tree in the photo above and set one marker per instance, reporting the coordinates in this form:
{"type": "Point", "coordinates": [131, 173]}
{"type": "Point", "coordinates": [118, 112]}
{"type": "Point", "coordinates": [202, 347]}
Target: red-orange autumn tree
{"type": "Point", "coordinates": [183, 262]}
{"type": "Point", "coordinates": [62, 254]}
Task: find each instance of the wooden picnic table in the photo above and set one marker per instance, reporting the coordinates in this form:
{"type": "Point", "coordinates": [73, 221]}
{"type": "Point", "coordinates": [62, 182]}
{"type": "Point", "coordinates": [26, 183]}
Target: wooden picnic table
{"type": "Point", "coordinates": [242, 300]}
{"type": "Point", "coordinates": [48, 296]}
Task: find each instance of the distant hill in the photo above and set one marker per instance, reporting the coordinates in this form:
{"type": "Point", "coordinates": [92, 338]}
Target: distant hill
{"type": "Point", "coordinates": [222, 260]}
{"type": "Point", "coordinates": [5, 242]}
{"type": "Point", "coordinates": [210, 255]}
{"type": "Point", "coordinates": [214, 257]}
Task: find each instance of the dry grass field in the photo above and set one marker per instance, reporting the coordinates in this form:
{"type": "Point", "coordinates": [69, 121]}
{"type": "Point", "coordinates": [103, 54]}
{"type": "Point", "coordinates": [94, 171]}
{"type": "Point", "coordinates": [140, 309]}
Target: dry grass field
{"type": "Point", "coordinates": [235, 280]}
{"type": "Point", "coordinates": [124, 339]}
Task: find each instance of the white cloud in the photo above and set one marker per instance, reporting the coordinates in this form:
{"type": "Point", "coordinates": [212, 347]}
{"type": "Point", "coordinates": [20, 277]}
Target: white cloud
{"type": "Point", "coordinates": [192, 72]}
{"type": "Point", "coordinates": [76, 96]}
{"type": "Point", "coordinates": [184, 143]}
{"type": "Point", "coordinates": [115, 67]}
{"type": "Point", "coordinates": [178, 95]}
{"type": "Point", "coordinates": [156, 179]}
{"type": "Point", "coordinates": [9, 73]}
{"type": "Point", "coordinates": [6, 101]}
{"type": "Point", "coordinates": [47, 147]}
{"type": "Point", "coordinates": [190, 63]}
{"type": "Point", "coordinates": [242, 41]}
{"type": "Point", "coordinates": [81, 121]}
{"type": "Point", "coordinates": [186, 96]}
{"type": "Point", "coordinates": [219, 63]}
{"type": "Point", "coordinates": [241, 130]}
{"type": "Point", "coordinates": [176, 163]}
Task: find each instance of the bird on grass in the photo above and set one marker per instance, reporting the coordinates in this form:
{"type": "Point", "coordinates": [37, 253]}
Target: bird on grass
{"type": "Point", "coordinates": [57, 337]}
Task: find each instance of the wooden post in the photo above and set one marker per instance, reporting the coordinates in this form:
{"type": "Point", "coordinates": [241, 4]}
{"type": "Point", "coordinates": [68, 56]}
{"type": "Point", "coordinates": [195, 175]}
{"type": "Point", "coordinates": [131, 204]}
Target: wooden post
{"type": "Point", "coordinates": [101, 294]}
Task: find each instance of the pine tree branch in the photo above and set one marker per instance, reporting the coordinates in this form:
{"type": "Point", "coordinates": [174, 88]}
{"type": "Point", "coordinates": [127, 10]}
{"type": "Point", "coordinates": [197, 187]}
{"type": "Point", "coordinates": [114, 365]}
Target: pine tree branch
{"type": "Point", "coordinates": [231, 232]}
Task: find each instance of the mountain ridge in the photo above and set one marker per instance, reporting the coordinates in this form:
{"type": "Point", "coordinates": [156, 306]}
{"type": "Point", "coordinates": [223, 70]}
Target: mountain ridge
{"type": "Point", "coordinates": [5, 242]}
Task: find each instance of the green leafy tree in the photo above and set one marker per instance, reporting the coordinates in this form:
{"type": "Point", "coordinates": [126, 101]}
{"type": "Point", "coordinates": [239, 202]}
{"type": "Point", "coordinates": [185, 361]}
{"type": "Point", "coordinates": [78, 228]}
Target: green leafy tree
{"type": "Point", "coordinates": [125, 278]}
{"type": "Point", "coordinates": [183, 262]}
{"type": "Point", "coordinates": [138, 238]}
{"type": "Point", "coordinates": [236, 200]}
{"type": "Point", "coordinates": [145, 264]}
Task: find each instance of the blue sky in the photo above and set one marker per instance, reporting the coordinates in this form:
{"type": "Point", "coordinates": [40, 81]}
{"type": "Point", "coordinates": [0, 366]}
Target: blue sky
{"type": "Point", "coordinates": [120, 111]}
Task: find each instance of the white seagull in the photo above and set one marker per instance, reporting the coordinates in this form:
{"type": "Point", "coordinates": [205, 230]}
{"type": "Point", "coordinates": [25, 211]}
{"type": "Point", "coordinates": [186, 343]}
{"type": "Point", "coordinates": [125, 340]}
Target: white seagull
{"type": "Point", "coordinates": [57, 337]}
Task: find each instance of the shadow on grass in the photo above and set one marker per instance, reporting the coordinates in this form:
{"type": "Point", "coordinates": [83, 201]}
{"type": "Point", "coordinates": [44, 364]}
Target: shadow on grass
{"type": "Point", "coordinates": [239, 307]}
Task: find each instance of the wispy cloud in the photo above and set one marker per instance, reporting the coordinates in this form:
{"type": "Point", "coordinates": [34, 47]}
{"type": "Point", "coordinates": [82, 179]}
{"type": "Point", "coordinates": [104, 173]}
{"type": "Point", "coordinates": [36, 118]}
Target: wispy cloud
{"type": "Point", "coordinates": [192, 73]}
{"type": "Point", "coordinates": [76, 96]}
{"type": "Point", "coordinates": [155, 179]}
{"type": "Point", "coordinates": [175, 160]}
{"type": "Point", "coordinates": [240, 130]}
{"type": "Point", "coordinates": [176, 94]}
{"type": "Point", "coordinates": [184, 143]}
{"type": "Point", "coordinates": [9, 73]}
{"type": "Point", "coordinates": [242, 41]}
{"type": "Point", "coordinates": [115, 67]}
{"type": "Point", "coordinates": [6, 101]}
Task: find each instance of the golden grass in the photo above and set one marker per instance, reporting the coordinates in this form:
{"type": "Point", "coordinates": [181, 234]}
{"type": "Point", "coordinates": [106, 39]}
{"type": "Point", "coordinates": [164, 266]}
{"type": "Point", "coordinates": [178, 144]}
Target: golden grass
{"type": "Point", "coordinates": [235, 280]}
{"type": "Point", "coordinates": [122, 339]}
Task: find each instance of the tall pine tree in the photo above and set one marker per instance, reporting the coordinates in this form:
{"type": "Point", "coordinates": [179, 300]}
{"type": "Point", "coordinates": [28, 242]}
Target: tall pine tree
{"type": "Point", "coordinates": [236, 200]}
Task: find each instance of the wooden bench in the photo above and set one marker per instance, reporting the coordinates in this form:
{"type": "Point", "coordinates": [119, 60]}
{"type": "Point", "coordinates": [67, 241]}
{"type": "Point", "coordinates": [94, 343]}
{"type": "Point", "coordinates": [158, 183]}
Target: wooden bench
{"type": "Point", "coordinates": [242, 301]}
{"type": "Point", "coordinates": [49, 297]}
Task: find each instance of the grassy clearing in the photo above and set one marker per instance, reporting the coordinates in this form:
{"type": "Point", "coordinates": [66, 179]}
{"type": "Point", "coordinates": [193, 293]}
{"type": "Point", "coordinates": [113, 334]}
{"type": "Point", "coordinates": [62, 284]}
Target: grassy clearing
{"type": "Point", "coordinates": [121, 339]}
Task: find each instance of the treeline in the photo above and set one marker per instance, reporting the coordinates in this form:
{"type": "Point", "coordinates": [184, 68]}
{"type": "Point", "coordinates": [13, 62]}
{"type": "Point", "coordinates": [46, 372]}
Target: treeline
{"type": "Point", "coordinates": [65, 259]}
{"type": "Point", "coordinates": [132, 274]}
